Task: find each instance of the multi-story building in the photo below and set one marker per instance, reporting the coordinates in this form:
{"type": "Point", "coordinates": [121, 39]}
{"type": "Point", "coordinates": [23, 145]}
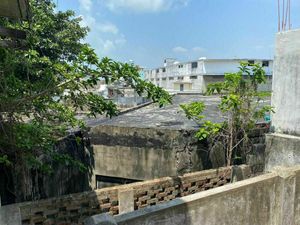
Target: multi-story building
{"type": "Point", "coordinates": [194, 76]}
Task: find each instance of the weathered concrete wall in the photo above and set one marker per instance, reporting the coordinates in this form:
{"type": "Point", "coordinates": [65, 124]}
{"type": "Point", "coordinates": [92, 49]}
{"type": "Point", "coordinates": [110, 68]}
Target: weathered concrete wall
{"type": "Point", "coordinates": [146, 153]}
{"type": "Point", "coordinates": [125, 152]}
{"type": "Point", "coordinates": [73, 209]}
{"type": "Point", "coordinates": [282, 150]}
{"type": "Point", "coordinates": [270, 199]}
{"type": "Point", "coordinates": [286, 80]}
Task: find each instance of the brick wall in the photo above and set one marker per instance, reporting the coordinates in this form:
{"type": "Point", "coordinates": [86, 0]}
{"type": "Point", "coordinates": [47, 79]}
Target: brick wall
{"type": "Point", "coordinates": [70, 209]}
{"type": "Point", "coordinates": [166, 189]}
{"type": "Point", "coordinates": [73, 209]}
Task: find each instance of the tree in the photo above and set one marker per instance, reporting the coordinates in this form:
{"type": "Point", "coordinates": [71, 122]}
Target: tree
{"type": "Point", "coordinates": [42, 87]}
{"type": "Point", "coordinates": [240, 103]}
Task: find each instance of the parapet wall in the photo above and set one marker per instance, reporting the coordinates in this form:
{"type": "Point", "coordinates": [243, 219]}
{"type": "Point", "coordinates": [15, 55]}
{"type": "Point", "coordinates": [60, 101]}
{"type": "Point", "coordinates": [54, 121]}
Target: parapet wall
{"type": "Point", "coordinates": [269, 199]}
{"type": "Point", "coordinates": [73, 209]}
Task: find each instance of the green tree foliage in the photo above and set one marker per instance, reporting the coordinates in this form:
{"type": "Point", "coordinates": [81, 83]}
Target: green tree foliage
{"type": "Point", "coordinates": [42, 87]}
{"type": "Point", "coordinates": [240, 103]}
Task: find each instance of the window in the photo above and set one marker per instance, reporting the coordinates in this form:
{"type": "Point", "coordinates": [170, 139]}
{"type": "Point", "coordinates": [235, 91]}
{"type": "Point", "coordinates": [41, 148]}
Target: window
{"type": "Point", "coordinates": [157, 79]}
{"type": "Point", "coordinates": [265, 63]}
{"type": "Point", "coordinates": [152, 79]}
{"type": "Point", "coordinates": [194, 65]}
{"type": "Point", "coordinates": [171, 78]}
{"type": "Point", "coordinates": [105, 181]}
{"type": "Point", "coordinates": [193, 77]}
{"type": "Point", "coordinates": [157, 71]}
{"type": "Point", "coordinates": [180, 66]}
{"type": "Point", "coordinates": [164, 78]}
{"type": "Point", "coordinates": [180, 78]}
{"type": "Point", "coordinates": [250, 62]}
{"type": "Point", "coordinates": [164, 70]}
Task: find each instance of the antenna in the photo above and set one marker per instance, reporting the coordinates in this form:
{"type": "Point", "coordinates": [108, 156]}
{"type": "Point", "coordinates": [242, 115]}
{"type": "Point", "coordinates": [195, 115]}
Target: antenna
{"type": "Point", "coordinates": [284, 15]}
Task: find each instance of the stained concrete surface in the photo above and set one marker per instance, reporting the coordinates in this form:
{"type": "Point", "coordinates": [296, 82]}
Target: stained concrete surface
{"type": "Point", "coordinates": [170, 116]}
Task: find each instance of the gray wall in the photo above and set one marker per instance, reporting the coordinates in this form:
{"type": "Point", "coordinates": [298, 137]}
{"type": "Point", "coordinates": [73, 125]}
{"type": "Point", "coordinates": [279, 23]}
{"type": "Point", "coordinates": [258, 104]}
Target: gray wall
{"type": "Point", "coordinates": [282, 150]}
{"type": "Point", "coordinates": [283, 147]}
{"type": "Point", "coordinates": [146, 153]}
{"type": "Point", "coordinates": [286, 81]}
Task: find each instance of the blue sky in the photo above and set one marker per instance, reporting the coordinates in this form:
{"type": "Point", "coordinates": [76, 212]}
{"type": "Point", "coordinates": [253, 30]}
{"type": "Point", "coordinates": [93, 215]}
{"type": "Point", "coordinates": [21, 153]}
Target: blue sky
{"type": "Point", "coordinates": [147, 31]}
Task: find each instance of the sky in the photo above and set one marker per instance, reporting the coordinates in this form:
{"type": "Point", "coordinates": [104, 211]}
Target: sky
{"type": "Point", "coordinates": [148, 31]}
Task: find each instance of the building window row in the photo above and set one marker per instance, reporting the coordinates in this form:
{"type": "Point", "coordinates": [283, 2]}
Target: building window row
{"type": "Point", "coordinates": [265, 63]}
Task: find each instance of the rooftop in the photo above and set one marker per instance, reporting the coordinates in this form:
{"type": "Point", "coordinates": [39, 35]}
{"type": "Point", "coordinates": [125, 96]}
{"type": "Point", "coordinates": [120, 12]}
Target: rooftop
{"type": "Point", "coordinates": [169, 117]}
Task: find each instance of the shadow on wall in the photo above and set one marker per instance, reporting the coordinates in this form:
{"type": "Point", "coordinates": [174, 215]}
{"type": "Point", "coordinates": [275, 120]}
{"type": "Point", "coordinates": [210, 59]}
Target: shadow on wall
{"type": "Point", "coordinates": [30, 184]}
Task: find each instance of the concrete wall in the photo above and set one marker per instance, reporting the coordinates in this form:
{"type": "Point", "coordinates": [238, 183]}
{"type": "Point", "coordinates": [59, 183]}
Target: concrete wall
{"type": "Point", "coordinates": [286, 82]}
{"type": "Point", "coordinates": [282, 150]}
{"type": "Point", "coordinates": [141, 153]}
{"type": "Point", "coordinates": [73, 209]}
{"type": "Point", "coordinates": [270, 199]}
{"type": "Point", "coordinates": [149, 153]}
{"type": "Point", "coordinates": [283, 147]}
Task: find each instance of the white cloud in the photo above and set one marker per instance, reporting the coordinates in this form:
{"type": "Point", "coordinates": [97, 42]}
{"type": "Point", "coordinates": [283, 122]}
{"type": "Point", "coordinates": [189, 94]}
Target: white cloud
{"type": "Point", "coordinates": [104, 35]}
{"type": "Point", "coordinates": [179, 49]}
{"type": "Point", "coordinates": [144, 5]}
{"type": "Point", "coordinates": [108, 46]}
{"type": "Point", "coordinates": [198, 49]}
{"type": "Point", "coordinates": [108, 28]}
{"type": "Point", "coordinates": [85, 5]}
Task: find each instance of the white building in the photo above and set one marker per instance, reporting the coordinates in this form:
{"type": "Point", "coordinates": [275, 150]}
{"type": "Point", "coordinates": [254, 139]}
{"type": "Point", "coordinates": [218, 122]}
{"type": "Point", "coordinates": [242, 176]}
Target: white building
{"type": "Point", "coordinates": [194, 76]}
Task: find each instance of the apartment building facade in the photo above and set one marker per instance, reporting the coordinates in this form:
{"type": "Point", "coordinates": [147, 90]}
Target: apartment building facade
{"type": "Point", "coordinates": [194, 76]}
